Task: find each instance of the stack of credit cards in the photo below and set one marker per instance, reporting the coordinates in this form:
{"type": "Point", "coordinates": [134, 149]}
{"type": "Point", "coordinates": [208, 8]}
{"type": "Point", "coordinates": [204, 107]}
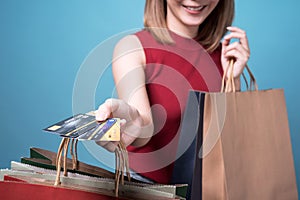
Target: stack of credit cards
{"type": "Point", "coordinates": [85, 127]}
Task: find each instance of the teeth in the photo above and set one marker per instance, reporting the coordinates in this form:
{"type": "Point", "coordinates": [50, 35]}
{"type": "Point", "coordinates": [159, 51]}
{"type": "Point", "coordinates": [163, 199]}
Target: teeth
{"type": "Point", "coordinates": [195, 8]}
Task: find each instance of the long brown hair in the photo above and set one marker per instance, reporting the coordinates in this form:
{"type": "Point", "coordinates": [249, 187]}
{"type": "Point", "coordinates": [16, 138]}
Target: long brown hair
{"type": "Point", "coordinates": [210, 31]}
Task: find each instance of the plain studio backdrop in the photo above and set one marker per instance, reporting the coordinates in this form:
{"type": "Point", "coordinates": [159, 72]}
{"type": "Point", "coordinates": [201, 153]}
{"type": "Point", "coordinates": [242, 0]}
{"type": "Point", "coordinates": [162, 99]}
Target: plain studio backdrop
{"type": "Point", "coordinates": [45, 46]}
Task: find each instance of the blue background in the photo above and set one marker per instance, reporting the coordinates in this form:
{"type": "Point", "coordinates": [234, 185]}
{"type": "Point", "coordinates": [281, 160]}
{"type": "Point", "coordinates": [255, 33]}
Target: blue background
{"type": "Point", "coordinates": [43, 44]}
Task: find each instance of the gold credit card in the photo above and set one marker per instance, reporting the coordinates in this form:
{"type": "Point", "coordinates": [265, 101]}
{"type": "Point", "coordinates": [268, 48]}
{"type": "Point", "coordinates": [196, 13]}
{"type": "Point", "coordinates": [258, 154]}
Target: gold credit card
{"type": "Point", "coordinates": [108, 130]}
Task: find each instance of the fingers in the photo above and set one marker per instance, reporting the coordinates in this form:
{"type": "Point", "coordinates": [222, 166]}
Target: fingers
{"type": "Point", "coordinates": [238, 50]}
{"type": "Point", "coordinates": [116, 108]}
{"type": "Point", "coordinates": [106, 109]}
{"type": "Point", "coordinates": [242, 46]}
{"type": "Point", "coordinates": [235, 50]}
{"type": "Point", "coordinates": [122, 122]}
{"type": "Point", "coordinates": [239, 34]}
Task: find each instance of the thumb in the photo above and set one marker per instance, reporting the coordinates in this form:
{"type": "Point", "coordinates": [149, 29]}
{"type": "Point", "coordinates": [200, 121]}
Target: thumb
{"type": "Point", "coordinates": [106, 109]}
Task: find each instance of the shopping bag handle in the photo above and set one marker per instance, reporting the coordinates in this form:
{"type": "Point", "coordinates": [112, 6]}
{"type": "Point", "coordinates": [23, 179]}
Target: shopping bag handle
{"type": "Point", "coordinates": [229, 86]}
{"type": "Point", "coordinates": [253, 83]}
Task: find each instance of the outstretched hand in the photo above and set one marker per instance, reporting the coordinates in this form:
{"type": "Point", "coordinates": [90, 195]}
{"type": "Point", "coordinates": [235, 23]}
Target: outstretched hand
{"type": "Point", "coordinates": [131, 121]}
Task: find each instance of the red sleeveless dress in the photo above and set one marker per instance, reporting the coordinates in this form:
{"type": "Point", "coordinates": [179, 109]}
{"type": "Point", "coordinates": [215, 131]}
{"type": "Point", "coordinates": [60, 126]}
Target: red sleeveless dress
{"type": "Point", "coordinates": [171, 71]}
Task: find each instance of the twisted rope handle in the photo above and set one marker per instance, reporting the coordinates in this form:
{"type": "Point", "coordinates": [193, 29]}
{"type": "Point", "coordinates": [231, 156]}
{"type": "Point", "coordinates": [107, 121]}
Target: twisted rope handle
{"type": "Point", "coordinates": [63, 147]}
{"type": "Point", "coordinates": [229, 86]}
{"type": "Point", "coordinates": [58, 160]}
{"type": "Point", "coordinates": [73, 151]}
{"type": "Point", "coordinates": [66, 146]}
{"type": "Point", "coordinates": [121, 160]}
{"type": "Point", "coordinates": [122, 165]}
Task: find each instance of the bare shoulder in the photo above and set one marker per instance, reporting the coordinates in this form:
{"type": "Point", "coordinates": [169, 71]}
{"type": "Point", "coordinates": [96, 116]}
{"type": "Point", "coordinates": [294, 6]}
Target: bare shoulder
{"type": "Point", "coordinates": [130, 47]}
{"type": "Point", "coordinates": [129, 41]}
{"type": "Point", "coordinates": [128, 57]}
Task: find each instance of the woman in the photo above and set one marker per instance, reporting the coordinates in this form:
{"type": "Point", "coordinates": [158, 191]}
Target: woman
{"type": "Point", "coordinates": [154, 69]}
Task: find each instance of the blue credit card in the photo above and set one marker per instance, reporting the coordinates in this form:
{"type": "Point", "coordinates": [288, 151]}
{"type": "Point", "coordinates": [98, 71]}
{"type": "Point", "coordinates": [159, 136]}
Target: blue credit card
{"type": "Point", "coordinates": [97, 132]}
{"type": "Point", "coordinates": [73, 126]}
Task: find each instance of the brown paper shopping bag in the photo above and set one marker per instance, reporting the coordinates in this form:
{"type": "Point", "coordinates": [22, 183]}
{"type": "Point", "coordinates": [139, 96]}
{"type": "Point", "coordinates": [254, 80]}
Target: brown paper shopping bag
{"type": "Point", "coordinates": [240, 146]}
{"type": "Point", "coordinates": [256, 147]}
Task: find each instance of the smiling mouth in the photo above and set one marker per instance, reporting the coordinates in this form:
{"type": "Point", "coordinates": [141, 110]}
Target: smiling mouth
{"type": "Point", "coordinates": [194, 8]}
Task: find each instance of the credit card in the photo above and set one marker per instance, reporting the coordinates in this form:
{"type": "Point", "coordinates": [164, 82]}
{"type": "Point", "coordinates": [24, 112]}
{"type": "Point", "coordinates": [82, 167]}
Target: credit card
{"type": "Point", "coordinates": [108, 130]}
{"type": "Point", "coordinates": [85, 127]}
{"type": "Point", "coordinates": [73, 126]}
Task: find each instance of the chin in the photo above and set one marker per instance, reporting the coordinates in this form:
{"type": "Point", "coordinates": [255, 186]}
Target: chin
{"type": "Point", "coordinates": [193, 23]}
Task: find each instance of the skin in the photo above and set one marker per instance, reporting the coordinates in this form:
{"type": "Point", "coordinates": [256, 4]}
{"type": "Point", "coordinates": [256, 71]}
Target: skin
{"type": "Point", "coordinates": [128, 64]}
{"type": "Point", "coordinates": [184, 21]}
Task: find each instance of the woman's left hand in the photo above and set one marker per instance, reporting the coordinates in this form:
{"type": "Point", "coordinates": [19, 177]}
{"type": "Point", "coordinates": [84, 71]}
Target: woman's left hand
{"type": "Point", "coordinates": [239, 50]}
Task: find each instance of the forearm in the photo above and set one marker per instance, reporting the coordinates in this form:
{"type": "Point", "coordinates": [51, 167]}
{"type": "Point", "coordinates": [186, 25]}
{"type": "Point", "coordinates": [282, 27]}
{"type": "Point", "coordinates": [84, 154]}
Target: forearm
{"type": "Point", "coordinates": [129, 77]}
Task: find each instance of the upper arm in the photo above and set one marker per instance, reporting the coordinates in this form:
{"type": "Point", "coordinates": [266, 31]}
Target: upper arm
{"type": "Point", "coordinates": [129, 76]}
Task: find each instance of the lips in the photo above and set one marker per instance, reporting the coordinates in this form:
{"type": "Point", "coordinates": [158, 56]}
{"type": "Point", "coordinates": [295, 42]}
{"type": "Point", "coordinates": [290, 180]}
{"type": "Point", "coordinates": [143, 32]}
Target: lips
{"type": "Point", "coordinates": [194, 8]}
